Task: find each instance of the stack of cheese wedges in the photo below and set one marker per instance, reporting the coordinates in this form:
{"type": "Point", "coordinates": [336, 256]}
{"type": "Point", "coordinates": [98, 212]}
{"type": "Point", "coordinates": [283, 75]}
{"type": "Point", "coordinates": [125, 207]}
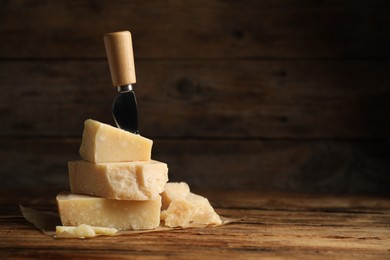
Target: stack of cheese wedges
{"type": "Point", "coordinates": [117, 185]}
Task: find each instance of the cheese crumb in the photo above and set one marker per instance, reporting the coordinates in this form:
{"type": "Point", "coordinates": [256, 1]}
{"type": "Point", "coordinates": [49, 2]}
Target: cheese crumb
{"type": "Point", "coordinates": [184, 208]}
{"type": "Point", "coordinates": [84, 231]}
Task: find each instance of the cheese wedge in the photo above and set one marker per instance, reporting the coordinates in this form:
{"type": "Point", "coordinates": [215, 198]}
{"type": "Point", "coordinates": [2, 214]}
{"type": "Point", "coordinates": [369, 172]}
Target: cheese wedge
{"type": "Point", "coordinates": [184, 211]}
{"type": "Point", "coordinates": [105, 143]}
{"type": "Point", "coordinates": [120, 214]}
{"type": "Point", "coordinates": [141, 180]}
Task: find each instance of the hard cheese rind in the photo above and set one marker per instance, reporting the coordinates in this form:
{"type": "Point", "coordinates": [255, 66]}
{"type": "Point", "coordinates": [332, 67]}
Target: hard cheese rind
{"type": "Point", "coordinates": [120, 214]}
{"type": "Point", "coordinates": [185, 208]}
{"type": "Point", "coordinates": [141, 180]}
{"type": "Point", "coordinates": [105, 143]}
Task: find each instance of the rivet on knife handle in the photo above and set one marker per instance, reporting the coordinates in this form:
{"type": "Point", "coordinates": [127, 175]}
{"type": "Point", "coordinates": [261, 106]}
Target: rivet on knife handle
{"type": "Point", "coordinates": [120, 56]}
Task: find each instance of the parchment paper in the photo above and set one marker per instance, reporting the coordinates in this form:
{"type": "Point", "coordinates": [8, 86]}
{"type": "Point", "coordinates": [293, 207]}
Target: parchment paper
{"type": "Point", "coordinates": [47, 221]}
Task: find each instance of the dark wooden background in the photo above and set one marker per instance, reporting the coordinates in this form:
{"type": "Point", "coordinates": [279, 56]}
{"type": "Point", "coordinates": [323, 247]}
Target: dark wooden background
{"type": "Point", "coordinates": [272, 95]}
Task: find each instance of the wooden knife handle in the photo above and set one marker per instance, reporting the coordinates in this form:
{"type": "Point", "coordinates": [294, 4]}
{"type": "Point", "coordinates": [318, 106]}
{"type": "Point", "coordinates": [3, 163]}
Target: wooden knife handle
{"type": "Point", "coordinates": [120, 56]}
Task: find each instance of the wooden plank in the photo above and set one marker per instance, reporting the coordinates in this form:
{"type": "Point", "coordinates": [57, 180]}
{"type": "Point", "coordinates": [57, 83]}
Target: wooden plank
{"type": "Point", "coordinates": [275, 232]}
{"type": "Point", "coordinates": [217, 28]}
{"type": "Point", "coordinates": [262, 233]}
{"type": "Point", "coordinates": [44, 199]}
{"type": "Point", "coordinates": [239, 199]}
{"type": "Point", "coordinates": [289, 166]}
{"type": "Point", "coordinates": [203, 98]}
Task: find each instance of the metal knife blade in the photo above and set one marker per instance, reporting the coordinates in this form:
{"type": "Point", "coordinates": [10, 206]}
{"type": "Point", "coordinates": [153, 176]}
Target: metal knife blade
{"type": "Point", "coordinates": [125, 111]}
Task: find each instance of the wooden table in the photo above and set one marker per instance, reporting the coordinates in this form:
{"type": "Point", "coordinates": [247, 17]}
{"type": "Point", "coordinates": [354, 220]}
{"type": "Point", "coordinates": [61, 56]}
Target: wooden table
{"type": "Point", "coordinates": [274, 226]}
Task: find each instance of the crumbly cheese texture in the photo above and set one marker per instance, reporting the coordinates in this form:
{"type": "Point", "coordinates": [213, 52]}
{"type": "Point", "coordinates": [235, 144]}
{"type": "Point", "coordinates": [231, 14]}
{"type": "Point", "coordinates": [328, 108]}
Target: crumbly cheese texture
{"type": "Point", "coordinates": [141, 180]}
{"type": "Point", "coordinates": [185, 208]}
{"type": "Point", "coordinates": [77, 209]}
{"type": "Point", "coordinates": [105, 143]}
{"type": "Point", "coordinates": [84, 231]}
{"type": "Point", "coordinates": [174, 191]}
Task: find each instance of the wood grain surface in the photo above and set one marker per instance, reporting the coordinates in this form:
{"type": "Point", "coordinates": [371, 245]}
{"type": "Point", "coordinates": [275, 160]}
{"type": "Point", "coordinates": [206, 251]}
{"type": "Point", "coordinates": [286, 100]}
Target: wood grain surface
{"type": "Point", "coordinates": [275, 226]}
{"type": "Point", "coordinates": [198, 29]}
{"type": "Point", "coordinates": [274, 95]}
{"type": "Point", "coordinates": [315, 166]}
{"type": "Point", "coordinates": [224, 98]}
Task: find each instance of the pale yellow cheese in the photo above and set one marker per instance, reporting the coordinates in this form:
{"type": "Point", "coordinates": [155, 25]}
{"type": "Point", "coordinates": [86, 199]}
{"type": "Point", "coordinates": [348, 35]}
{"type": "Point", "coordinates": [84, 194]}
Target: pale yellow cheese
{"type": "Point", "coordinates": [105, 143]}
{"type": "Point", "coordinates": [184, 211]}
{"type": "Point", "coordinates": [84, 231]}
{"type": "Point", "coordinates": [120, 214]}
{"type": "Point", "coordinates": [174, 191]}
{"type": "Point", "coordinates": [141, 180]}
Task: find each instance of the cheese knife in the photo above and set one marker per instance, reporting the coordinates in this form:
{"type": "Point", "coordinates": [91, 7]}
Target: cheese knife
{"type": "Point", "coordinates": [120, 57]}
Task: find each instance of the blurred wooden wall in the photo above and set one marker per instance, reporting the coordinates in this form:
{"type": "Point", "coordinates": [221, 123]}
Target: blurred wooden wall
{"type": "Point", "coordinates": [272, 95]}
